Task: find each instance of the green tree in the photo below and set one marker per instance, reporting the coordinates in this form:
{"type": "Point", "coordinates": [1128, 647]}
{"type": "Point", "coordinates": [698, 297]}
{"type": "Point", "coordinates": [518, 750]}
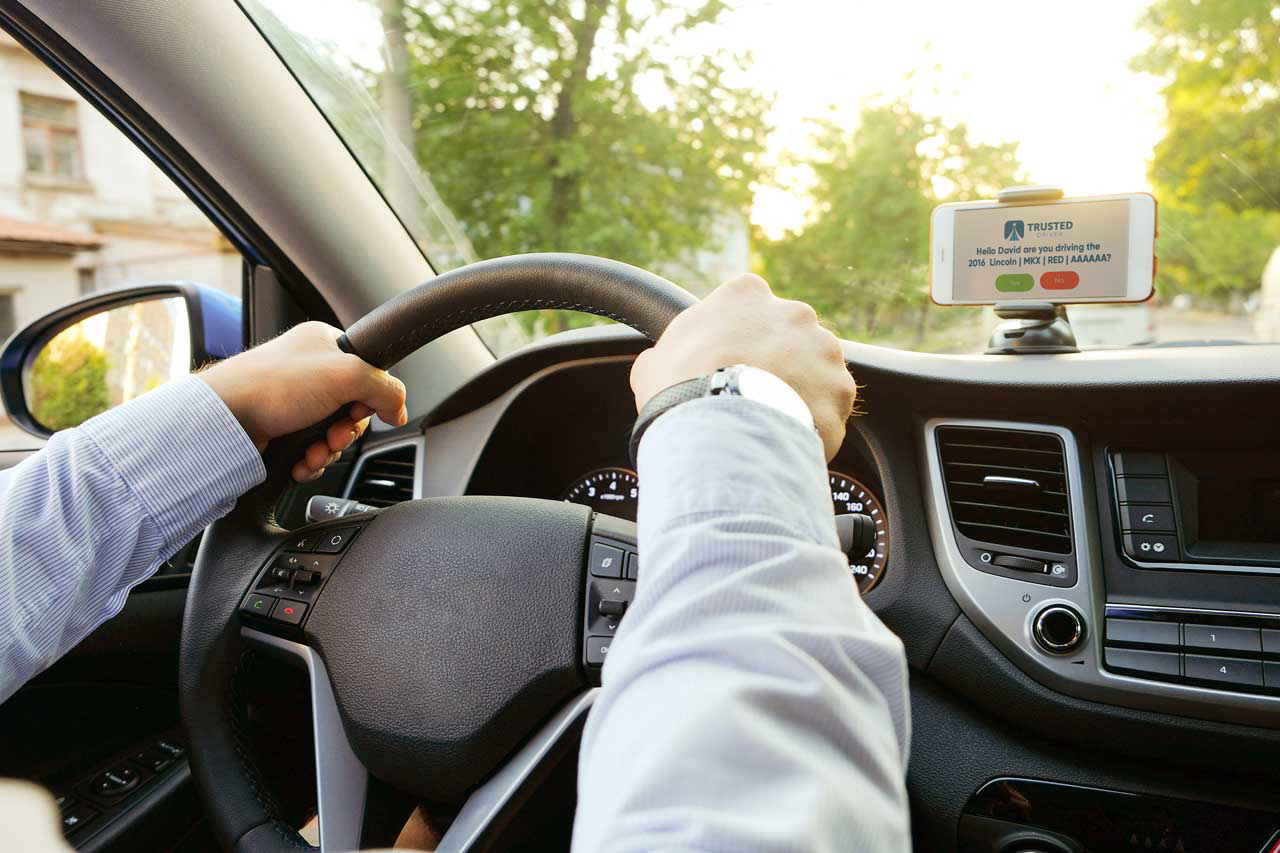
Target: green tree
{"type": "Point", "coordinates": [576, 125]}
{"type": "Point", "coordinates": [68, 382]}
{"type": "Point", "coordinates": [1217, 169]}
{"type": "Point", "coordinates": [1220, 61]}
{"type": "Point", "coordinates": [862, 259]}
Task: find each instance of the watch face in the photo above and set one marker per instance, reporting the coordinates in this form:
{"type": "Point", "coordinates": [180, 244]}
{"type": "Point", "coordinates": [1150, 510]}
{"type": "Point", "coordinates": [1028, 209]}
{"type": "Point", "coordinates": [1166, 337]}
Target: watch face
{"type": "Point", "coordinates": [761, 385]}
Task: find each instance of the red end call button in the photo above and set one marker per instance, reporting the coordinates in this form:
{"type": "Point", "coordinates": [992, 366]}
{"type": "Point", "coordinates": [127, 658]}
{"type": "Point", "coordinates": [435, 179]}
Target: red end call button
{"type": "Point", "coordinates": [1059, 280]}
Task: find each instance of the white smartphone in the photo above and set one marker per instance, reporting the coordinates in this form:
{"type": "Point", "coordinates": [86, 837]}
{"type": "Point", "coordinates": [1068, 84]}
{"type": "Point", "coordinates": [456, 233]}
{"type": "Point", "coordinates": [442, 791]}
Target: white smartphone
{"type": "Point", "coordinates": [1087, 249]}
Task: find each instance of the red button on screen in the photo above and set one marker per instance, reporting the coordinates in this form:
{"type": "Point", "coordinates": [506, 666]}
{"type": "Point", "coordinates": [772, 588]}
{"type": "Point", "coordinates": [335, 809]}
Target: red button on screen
{"type": "Point", "coordinates": [1059, 280]}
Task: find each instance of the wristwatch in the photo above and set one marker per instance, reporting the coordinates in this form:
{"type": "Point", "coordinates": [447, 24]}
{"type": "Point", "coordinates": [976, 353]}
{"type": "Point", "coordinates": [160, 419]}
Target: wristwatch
{"type": "Point", "coordinates": [739, 380]}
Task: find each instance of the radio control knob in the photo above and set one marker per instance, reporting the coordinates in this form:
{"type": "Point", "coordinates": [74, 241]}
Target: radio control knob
{"type": "Point", "coordinates": [1058, 629]}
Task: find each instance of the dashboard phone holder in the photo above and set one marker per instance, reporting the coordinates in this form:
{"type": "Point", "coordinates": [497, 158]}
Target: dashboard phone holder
{"type": "Point", "coordinates": [1031, 328]}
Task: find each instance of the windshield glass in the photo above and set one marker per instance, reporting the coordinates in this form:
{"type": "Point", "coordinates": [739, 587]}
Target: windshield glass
{"type": "Point", "coordinates": [808, 141]}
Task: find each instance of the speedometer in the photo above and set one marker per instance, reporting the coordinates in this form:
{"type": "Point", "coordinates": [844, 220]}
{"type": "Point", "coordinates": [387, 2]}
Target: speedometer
{"type": "Point", "coordinates": [612, 491]}
{"type": "Point", "coordinates": [847, 496]}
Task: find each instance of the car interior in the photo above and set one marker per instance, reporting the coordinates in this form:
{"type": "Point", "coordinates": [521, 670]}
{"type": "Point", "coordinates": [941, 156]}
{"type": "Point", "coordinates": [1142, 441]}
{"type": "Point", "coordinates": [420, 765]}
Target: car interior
{"type": "Point", "coordinates": [1078, 551]}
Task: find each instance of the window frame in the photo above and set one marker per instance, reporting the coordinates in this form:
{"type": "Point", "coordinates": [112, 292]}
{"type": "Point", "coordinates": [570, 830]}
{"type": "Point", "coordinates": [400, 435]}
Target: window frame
{"type": "Point", "coordinates": [48, 130]}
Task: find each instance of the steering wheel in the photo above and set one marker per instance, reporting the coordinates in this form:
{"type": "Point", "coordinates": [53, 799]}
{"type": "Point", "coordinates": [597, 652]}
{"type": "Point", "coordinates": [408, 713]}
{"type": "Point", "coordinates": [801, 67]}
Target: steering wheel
{"type": "Point", "coordinates": [443, 637]}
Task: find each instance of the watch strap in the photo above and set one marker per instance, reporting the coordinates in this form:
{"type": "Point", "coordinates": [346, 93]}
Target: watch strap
{"type": "Point", "coordinates": [668, 398]}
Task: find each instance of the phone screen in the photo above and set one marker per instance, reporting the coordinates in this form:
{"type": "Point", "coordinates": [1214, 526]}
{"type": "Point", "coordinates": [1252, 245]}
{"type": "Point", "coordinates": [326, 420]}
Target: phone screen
{"type": "Point", "coordinates": [1055, 252]}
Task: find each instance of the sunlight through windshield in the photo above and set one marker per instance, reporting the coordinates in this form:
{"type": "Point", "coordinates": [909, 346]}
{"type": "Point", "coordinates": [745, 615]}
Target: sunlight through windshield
{"type": "Point", "coordinates": [808, 141]}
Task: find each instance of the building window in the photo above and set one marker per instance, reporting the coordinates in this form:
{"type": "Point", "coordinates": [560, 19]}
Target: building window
{"type": "Point", "coordinates": [51, 137]}
{"type": "Point", "coordinates": [8, 322]}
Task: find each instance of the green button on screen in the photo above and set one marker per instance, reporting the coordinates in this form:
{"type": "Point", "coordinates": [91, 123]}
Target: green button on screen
{"type": "Point", "coordinates": [1014, 283]}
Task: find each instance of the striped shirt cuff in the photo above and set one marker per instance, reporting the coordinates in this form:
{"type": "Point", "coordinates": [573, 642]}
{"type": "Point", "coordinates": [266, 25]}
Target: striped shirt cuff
{"type": "Point", "coordinates": [182, 452]}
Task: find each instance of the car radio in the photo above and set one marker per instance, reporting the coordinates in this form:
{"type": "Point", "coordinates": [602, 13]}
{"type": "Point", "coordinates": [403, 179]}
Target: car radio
{"type": "Point", "coordinates": [1198, 510]}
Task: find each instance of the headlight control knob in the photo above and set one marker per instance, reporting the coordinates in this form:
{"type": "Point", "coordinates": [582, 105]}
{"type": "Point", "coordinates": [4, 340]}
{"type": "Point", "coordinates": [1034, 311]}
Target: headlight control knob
{"type": "Point", "coordinates": [1058, 629]}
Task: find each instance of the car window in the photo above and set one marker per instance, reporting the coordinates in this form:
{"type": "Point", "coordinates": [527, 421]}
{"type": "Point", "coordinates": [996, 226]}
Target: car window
{"type": "Point", "coordinates": [82, 210]}
{"type": "Point", "coordinates": [809, 140]}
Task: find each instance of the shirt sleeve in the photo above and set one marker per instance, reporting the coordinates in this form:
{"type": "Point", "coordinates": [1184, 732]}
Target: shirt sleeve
{"type": "Point", "coordinates": [101, 506]}
{"type": "Point", "coordinates": [750, 700]}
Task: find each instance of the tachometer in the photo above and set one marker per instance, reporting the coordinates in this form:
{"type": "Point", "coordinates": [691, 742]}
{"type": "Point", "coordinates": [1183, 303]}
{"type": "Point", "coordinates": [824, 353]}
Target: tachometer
{"type": "Point", "coordinates": [612, 491]}
{"type": "Point", "coordinates": [849, 495]}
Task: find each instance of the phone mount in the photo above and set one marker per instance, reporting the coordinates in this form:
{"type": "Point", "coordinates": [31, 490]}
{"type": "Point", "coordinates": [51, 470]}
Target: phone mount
{"type": "Point", "coordinates": [1031, 328]}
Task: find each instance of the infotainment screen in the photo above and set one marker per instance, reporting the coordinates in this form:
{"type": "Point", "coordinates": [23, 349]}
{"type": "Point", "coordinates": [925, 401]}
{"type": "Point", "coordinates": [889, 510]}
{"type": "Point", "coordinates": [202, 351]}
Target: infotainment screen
{"type": "Point", "coordinates": [1239, 509]}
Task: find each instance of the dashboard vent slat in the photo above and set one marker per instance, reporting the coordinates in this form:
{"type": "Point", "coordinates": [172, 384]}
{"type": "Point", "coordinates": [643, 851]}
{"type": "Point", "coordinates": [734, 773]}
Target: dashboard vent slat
{"type": "Point", "coordinates": [1037, 518]}
{"type": "Point", "coordinates": [386, 477]}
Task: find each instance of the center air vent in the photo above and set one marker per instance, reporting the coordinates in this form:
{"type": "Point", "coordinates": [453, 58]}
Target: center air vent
{"type": "Point", "coordinates": [385, 478]}
{"type": "Point", "coordinates": [1007, 487]}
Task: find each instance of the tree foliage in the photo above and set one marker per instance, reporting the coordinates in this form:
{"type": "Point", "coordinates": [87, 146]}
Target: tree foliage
{"type": "Point", "coordinates": [68, 382]}
{"type": "Point", "coordinates": [583, 129]}
{"type": "Point", "coordinates": [1217, 169]}
{"type": "Point", "coordinates": [1221, 64]}
{"type": "Point", "coordinates": [862, 259]}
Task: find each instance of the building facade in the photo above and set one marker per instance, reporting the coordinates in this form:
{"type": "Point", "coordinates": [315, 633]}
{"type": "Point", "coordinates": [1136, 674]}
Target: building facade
{"type": "Point", "coordinates": [81, 208]}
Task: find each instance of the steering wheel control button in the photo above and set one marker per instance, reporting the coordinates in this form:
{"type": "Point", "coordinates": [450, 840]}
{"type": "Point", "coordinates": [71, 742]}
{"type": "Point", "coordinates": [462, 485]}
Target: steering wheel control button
{"type": "Point", "coordinates": [304, 577]}
{"type": "Point", "coordinates": [1142, 632]}
{"type": "Point", "coordinates": [597, 649]}
{"type": "Point", "coordinates": [1144, 517]}
{"type": "Point", "coordinates": [281, 573]}
{"type": "Point", "coordinates": [1245, 673]}
{"type": "Point", "coordinates": [1152, 547]}
{"type": "Point", "coordinates": [1167, 664]}
{"type": "Point", "coordinates": [633, 565]}
{"type": "Point", "coordinates": [304, 543]}
{"type": "Point", "coordinates": [1022, 564]}
{"type": "Point", "coordinates": [1058, 629]}
{"type": "Point", "coordinates": [289, 612]}
{"type": "Point", "coordinates": [612, 607]}
{"type": "Point", "coordinates": [606, 560]}
{"type": "Point", "coordinates": [1222, 638]}
{"type": "Point", "coordinates": [1137, 463]}
{"type": "Point", "coordinates": [258, 604]}
{"type": "Point", "coordinates": [333, 541]}
{"type": "Point", "coordinates": [1143, 490]}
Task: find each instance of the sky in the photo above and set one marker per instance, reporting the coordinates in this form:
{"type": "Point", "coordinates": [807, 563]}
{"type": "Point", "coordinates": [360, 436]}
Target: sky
{"type": "Point", "coordinates": [1053, 77]}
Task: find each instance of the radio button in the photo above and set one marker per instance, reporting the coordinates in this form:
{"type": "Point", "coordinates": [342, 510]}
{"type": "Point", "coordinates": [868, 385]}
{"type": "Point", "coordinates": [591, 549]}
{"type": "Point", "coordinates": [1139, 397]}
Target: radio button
{"type": "Point", "coordinates": [1142, 632]}
{"type": "Point", "coordinates": [1247, 673]}
{"type": "Point", "coordinates": [1271, 674]}
{"type": "Point", "coordinates": [1152, 547]}
{"type": "Point", "coordinates": [1222, 638]}
{"type": "Point", "coordinates": [1136, 463]}
{"type": "Point", "coordinates": [1139, 517]}
{"type": "Point", "coordinates": [1271, 643]}
{"type": "Point", "coordinates": [1142, 490]}
{"type": "Point", "coordinates": [1152, 663]}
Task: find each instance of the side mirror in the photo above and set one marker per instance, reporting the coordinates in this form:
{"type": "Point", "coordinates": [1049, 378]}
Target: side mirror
{"type": "Point", "coordinates": [109, 347]}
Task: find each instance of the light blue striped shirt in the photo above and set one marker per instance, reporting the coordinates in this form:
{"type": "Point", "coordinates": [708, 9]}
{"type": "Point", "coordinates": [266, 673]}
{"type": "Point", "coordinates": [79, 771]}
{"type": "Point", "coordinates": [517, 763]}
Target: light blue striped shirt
{"type": "Point", "coordinates": [101, 507]}
{"type": "Point", "coordinates": [751, 700]}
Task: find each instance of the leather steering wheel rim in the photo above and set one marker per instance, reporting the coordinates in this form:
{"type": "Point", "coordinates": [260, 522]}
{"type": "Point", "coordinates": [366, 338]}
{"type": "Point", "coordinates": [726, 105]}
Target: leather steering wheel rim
{"type": "Point", "coordinates": [239, 804]}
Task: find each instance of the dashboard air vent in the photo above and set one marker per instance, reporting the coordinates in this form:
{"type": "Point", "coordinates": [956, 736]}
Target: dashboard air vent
{"type": "Point", "coordinates": [386, 478]}
{"type": "Point", "coordinates": [1007, 487]}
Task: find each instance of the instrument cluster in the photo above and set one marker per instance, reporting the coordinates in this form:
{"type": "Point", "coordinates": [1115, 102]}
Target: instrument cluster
{"type": "Point", "coordinates": [615, 491]}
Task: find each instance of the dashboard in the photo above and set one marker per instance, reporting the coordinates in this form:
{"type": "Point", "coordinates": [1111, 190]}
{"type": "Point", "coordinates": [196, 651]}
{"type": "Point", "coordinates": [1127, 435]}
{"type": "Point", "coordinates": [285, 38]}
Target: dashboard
{"type": "Point", "coordinates": [1080, 556]}
{"type": "Point", "coordinates": [538, 449]}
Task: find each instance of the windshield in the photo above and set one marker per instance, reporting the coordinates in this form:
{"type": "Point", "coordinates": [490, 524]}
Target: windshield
{"type": "Point", "coordinates": [808, 141]}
